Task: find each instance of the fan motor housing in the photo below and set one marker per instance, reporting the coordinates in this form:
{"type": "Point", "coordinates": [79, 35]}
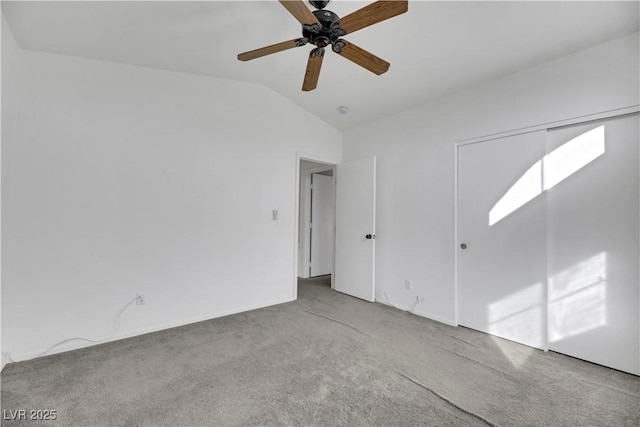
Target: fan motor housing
{"type": "Point", "coordinates": [330, 31]}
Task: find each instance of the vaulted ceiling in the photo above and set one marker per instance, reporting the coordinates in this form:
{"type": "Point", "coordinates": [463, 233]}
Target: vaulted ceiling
{"type": "Point", "coordinates": [436, 48]}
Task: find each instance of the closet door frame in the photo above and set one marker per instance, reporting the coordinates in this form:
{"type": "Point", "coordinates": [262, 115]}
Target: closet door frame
{"type": "Point", "coordinates": [542, 127]}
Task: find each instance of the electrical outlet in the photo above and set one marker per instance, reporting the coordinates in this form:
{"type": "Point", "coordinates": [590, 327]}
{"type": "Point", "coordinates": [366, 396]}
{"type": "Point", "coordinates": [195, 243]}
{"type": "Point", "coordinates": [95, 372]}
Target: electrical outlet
{"type": "Point", "coordinates": [408, 284]}
{"type": "Point", "coordinates": [139, 299]}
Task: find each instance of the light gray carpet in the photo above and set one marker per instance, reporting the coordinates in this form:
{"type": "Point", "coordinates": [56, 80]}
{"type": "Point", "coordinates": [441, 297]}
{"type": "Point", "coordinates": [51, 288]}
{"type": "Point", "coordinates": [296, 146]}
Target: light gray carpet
{"type": "Point", "coordinates": [324, 360]}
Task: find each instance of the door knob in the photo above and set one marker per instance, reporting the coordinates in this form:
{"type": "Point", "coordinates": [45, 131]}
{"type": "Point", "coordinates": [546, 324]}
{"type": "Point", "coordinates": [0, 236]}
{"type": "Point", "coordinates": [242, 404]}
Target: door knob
{"type": "Point", "coordinates": [370, 236]}
{"type": "Point", "coordinates": [463, 246]}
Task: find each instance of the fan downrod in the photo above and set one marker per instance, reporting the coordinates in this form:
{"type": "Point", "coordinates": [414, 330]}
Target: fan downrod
{"type": "Point", "coordinates": [319, 4]}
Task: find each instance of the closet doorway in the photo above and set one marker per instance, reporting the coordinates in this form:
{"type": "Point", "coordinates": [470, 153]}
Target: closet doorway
{"type": "Point", "coordinates": [548, 239]}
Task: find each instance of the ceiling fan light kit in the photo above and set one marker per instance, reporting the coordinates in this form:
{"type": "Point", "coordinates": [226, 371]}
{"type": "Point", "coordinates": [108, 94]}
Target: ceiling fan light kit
{"type": "Point", "coordinates": [323, 28]}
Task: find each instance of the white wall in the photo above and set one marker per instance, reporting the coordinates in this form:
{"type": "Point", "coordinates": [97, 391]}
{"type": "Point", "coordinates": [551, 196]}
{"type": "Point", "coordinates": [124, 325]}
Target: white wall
{"type": "Point", "coordinates": [416, 165]}
{"type": "Point", "coordinates": [9, 93]}
{"type": "Point", "coordinates": [124, 180]}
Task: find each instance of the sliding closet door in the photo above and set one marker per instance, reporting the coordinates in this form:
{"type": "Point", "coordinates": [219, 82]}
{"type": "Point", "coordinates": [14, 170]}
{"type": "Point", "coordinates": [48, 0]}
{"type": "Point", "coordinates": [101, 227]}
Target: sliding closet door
{"type": "Point", "coordinates": [591, 174]}
{"type": "Point", "coordinates": [501, 231]}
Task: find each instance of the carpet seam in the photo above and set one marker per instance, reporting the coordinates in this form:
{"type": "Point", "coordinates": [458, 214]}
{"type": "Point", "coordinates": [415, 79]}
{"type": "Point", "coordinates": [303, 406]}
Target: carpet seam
{"type": "Point", "coordinates": [418, 383]}
{"type": "Point", "coordinates": [335, 320]}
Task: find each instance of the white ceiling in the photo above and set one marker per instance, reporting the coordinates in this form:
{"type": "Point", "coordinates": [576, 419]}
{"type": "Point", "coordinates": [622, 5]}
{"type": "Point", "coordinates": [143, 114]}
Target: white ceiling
{"type": "Point", "coordinates": [434, 49]}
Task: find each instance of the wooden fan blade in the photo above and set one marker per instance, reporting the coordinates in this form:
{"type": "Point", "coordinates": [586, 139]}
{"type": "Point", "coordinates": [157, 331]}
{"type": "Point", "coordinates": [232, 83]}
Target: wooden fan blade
{"type": "Point", "coordinates": [313, 69]}
{"type": "Point", "coordinates": [361, 57]}
{"type": "Point", "coordinates": [373, 13]}
{"type": "Point", "coordinates": [268, 50]}
{"type": "Point", "coordinates": [300, 11]}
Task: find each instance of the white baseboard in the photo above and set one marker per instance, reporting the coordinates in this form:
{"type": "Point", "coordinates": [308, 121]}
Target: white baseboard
{"type": "Point", "coordinates": [83, 344]}
{"type": "Point", "coordinates": [419, 313]}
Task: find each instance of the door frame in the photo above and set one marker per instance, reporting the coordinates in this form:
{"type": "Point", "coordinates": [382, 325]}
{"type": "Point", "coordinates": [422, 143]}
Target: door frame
{"type": "Point", "coordinates": [543, 126]}
{"type": "Point", "coordinates": [328, 164]}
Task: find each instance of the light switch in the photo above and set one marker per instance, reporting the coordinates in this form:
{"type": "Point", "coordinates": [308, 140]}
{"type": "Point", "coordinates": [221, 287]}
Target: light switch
{"type": "Point", "coordinates": [275, 214]}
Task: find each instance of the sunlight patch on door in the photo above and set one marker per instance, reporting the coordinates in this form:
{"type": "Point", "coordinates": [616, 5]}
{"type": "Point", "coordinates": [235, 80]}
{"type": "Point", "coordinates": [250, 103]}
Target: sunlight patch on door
{"type": "Point", "coordinates": [578, 298]}
{"type": "Point", "coordinates": [518, 317]}
{"type": "Point", "coordinates": [525, 189]}
{"type": "Point", "coordinates": [552, 169]}
{"type": "Point", "coordinates": [572, 156]}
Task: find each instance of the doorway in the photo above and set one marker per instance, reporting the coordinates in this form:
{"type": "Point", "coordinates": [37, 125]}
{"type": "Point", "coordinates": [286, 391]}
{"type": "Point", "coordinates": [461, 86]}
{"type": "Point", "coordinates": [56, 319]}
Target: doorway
{"type": "Point", "coordinates": [352, 244]}
{"type": "Point", "coordinates": [316, 220]}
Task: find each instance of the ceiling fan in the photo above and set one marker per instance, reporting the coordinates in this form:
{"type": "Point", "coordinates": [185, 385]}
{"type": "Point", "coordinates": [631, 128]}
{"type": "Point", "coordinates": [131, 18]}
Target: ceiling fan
{"type": "Point", "coordinates": [323, 28]}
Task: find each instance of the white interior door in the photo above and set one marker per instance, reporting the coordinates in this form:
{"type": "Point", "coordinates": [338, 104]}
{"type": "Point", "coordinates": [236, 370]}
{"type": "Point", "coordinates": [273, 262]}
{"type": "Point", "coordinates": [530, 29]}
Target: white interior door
{"type": "Point", "coordinates": [322, 222]}
{"type": "Point", "coordinates": [355, 228]}
{"type": "Point", "coordinates": [502, 238]}
{"type": "Point", "coordinates": [592, 178]}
